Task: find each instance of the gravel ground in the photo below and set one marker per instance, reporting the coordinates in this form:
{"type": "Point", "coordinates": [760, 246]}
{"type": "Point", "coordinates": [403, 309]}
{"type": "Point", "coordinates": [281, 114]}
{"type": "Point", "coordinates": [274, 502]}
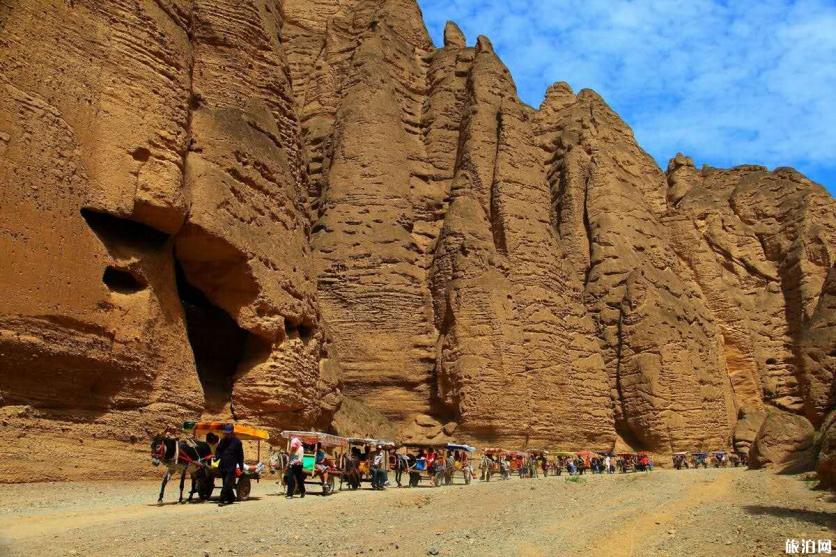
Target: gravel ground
{"type": "Point", "coordinates": [690, 512]}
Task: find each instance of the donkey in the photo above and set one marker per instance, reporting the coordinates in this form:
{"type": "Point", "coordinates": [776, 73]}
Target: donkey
{"type": "Point", "coordinates": [181, 456]}
{"type": "Point", "coordinates": [351, 472]}
{"type": "Point", "coordinates": [489, 467]}
{"type": "Point", "coordinates": [279, 463]}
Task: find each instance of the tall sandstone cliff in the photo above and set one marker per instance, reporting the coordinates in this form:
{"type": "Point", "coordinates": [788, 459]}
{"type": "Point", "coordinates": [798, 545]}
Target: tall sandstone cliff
{"type": "Point", "coordinates": [258, 210]}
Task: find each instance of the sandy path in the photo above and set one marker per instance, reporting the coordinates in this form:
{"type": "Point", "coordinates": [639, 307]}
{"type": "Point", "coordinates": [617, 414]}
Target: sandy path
{"type": "Point", "coordinates": [727, 512]}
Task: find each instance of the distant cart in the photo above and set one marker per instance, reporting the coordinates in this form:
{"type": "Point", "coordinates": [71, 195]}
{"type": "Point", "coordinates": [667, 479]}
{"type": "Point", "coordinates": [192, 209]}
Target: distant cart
{"type": "Point", "coordinates": [494, 461]}
{"type": "Point", "coordinates": [541, 456]}
{"type": "Point", "coordinates": [243, 483]}
{"type": "Point", "coordinates": [627, 462]}
{"type": "Point", "coordinates": [362, 449]}
{"type": "Point", "coordinates": [517, 462]}
{"type": "Point", "coordinates": [458, 461]}
{"type": "Point", "coordinates": [329, 468]}
{"type": "Point", "coordinates": [680, 460]}
{"type": "Point", "coordinates": [428, 464]}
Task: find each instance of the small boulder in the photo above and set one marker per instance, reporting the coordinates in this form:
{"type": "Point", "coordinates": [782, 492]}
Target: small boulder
{"type": "Point", "coordinates": [785, 441]}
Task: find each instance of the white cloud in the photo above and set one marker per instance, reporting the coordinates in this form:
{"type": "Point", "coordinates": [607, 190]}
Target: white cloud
{"type": "Point", "coordinates": [727, 82]}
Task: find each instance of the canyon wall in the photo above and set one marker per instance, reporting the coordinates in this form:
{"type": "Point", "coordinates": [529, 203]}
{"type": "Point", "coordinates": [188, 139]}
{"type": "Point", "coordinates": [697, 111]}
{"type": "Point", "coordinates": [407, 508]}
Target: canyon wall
{"type": "Point", "coordinates": [259, 210]}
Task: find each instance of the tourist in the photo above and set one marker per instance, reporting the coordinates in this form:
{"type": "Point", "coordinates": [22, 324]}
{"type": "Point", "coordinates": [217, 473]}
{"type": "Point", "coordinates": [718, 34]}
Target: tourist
{"type": "Point", "coordinates": [415, 464]}
{"type": "Point", "coordinates": [296, 473]}
{"type": "Point", "coordinates": [321, 466]}
{"type": "Point", "coordinates": [378, 474]}
{"type": "Point", "coordinates": [231, 454]}
{"type": "Point", "coordinates": [401, 464]}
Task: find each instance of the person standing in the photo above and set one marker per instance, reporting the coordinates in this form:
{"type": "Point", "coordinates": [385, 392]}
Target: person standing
{"type": "Point", "coordinates": [401, 464]}
{"type": "Point", "coordinates": [378, 481]}
{"type": "Point", "coordinates": [230, 451]}
{"type": "Point", "coordinates": [296, 474]}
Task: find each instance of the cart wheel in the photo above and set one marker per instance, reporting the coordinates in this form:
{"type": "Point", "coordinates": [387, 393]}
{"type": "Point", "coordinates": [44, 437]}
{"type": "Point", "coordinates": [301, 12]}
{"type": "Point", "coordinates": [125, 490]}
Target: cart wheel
{"type": "Point", "coordinates": [437, 480]}
{"type": "Point", "coordinates": [205, 486]}
{"type": "Point", "coordinates": [467, 476]}
{"type": "Point", "coordinates": [243, 488]}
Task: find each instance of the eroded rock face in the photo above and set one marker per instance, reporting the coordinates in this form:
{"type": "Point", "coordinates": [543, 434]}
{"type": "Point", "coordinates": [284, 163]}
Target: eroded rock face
{"type": "Point", "coordinates": [154, 229]}
{"type": "Point", "coordinates": [242, 209]}
{"type": "Point", "coordinates": [761, 245]}
{"type": "Point", "coordinates": [826, 457]}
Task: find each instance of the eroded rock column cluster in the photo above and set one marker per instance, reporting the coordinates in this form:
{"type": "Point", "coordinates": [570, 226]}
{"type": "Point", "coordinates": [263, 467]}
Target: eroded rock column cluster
{"type": "Point", "coordinates": [256, 209]}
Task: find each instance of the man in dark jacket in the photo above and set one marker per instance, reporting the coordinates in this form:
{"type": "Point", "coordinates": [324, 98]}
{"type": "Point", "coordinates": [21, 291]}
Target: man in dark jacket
{"type": "Point", "coordinates": [231, 454]}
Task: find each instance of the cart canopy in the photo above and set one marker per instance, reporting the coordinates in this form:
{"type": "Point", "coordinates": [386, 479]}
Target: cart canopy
{"type": "Point", "coordinates": [371, 442]}
{"type": "Point", "coordinates": [458, 447]}
{"type": "Point", "coordinates": [311, 437]}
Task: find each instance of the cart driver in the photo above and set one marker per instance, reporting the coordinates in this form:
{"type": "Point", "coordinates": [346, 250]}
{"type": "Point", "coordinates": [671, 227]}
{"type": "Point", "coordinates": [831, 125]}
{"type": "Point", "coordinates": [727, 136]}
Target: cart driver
{"type": "Point", "coordinates": [231, 453]}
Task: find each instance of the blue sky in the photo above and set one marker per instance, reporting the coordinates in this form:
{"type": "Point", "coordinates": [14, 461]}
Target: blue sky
{"type": "Point", "coordinates": [726, 82]}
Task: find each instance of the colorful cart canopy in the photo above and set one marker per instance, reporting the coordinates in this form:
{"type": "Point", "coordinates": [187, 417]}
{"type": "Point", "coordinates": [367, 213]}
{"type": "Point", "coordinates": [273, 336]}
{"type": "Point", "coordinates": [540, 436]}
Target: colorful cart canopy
{"type": "Point", "coordinates": [311, 437]}
{"type": "Point", "coordinates": [460, 447]}
{"type": "Point", "coordinates": [242, 431]}
{"type": "Point", "coordinates": [371, 442]}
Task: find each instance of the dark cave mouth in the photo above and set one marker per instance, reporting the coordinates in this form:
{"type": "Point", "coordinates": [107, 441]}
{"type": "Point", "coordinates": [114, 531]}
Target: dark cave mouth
{"type": "Point", "coordinates": [113, 230]}
{"type": "Point", "coordinates": [219, 345]}
{"type": "Point", "coordinates": [122, 281]}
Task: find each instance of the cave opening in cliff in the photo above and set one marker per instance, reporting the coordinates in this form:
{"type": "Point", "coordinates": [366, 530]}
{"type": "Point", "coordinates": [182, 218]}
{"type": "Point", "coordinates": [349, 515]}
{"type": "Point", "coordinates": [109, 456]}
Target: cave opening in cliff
{"type": "Point", "coordinates": [122, 281]}
{"type": "Point", "coordinates": [118, 231]}
{"type": "Point", "coordinates": [293, 330]}
{"type": "Point", "coordinates": [219, 345]}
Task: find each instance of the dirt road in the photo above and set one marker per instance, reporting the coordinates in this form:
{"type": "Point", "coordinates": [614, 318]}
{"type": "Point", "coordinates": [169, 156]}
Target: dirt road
{"type": "Point", "coordinates": [706, 512]}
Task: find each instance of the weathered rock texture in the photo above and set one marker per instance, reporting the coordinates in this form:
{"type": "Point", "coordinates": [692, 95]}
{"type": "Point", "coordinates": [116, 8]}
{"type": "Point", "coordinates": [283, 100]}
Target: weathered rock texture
{"type": "Point", "coordinates": [785, 441]}
{"type": "Point", "coordinates": [826, 455]}
{"type": "Point", "coordinates": [248, 208]}
{"type": "Point", "coordinates": [157, 263]}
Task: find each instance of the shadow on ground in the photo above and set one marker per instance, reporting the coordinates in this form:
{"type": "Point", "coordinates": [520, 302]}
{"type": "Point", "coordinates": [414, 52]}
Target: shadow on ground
{"type": "Point", "coordinates": [820, 518]}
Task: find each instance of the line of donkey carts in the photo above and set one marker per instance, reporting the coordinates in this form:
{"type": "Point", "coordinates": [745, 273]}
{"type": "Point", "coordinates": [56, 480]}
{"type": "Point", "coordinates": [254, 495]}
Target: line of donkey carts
{"type": "Point", "coordinates": [329, 459]}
